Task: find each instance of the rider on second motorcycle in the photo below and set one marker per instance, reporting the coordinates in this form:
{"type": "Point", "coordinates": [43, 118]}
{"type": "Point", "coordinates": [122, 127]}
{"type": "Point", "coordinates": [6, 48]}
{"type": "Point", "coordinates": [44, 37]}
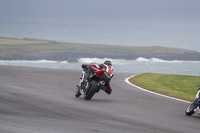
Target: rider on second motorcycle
{"type": "Point", "coordinates": [89, 68]}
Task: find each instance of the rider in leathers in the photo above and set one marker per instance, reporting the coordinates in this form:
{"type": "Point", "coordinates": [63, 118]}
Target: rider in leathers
{"type": "Point", "coordinates": [93, 68]}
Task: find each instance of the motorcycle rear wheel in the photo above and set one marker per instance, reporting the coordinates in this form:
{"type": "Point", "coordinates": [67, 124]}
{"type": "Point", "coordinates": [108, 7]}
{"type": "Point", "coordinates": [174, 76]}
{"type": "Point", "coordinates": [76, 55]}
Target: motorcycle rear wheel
{"type": "Point", "coordinates": [190, 109]}
{"type": "Point", "coordinates": [92, 90]}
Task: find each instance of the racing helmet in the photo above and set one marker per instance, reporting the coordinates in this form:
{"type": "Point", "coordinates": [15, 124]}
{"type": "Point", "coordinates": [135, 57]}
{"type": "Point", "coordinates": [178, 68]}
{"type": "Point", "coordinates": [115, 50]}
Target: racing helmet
{"type": "Point", "coordinates": [107, 63]}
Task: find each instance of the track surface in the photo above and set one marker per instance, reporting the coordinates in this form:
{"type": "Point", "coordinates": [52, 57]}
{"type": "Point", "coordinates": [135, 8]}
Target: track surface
{"type": "Point", "coordinates": [36, 100]}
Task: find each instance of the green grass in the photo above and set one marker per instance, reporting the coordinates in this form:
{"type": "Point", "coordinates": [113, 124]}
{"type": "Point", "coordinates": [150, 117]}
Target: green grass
{"type": "Point", "coordinates": [178, 86]}
{"type": "Point", "coordinates": [12, 41]}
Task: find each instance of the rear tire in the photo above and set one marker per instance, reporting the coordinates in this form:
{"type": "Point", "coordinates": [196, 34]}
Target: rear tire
{"type": "Point", "coordinates": [92, 90]}
{"type": "Point", "coordinates": [190, 109]}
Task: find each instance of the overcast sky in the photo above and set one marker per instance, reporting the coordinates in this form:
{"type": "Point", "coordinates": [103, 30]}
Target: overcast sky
{"type": "Point", "coordinates": [101, 10]}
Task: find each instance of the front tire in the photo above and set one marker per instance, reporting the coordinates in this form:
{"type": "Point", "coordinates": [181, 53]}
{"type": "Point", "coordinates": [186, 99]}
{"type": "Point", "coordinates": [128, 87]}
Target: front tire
{"type": "Point", "coordinates": [92, 90]}
{"type": "Point", "coordinates": [190, 109]}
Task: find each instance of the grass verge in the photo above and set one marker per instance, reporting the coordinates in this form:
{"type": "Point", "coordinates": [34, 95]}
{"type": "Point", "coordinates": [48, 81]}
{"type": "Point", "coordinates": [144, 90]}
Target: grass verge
{"type": "Point", "coordinates": [178, 86]}
{"type": "Point", "coordinates": [12, 41]}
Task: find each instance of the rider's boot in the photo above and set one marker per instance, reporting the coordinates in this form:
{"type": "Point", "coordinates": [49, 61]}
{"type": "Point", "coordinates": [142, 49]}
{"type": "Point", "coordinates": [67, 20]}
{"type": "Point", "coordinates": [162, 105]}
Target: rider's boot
{"type": "Point", "coordinates": [106, 89]}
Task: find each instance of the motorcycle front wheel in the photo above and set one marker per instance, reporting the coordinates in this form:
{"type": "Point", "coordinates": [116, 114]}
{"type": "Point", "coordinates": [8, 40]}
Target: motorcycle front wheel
{"type": "Point", "coordinates": [190, 109]}
{"type": "Point", "coordinates": [92, 90]}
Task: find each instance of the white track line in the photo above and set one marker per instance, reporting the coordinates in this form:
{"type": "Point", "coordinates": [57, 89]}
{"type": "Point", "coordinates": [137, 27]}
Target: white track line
{"type": "Point", "coordinates": [127, 81]}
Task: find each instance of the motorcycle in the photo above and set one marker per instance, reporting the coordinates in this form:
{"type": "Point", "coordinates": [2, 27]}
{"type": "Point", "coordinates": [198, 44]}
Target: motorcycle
{"type": "Point", "coordinates": [194, 106]}
{"type": "Point", "coordinates": [98, 80]}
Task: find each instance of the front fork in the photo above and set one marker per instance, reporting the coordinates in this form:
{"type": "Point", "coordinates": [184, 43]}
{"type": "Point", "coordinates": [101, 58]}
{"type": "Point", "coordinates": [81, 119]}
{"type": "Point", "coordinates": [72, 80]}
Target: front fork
{"type": "Point", "coordinates": [83, 85]}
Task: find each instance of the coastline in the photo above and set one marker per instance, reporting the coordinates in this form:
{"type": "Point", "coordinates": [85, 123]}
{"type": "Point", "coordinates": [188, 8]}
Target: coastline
{"type": "Point", "coordinates": [33, 49]}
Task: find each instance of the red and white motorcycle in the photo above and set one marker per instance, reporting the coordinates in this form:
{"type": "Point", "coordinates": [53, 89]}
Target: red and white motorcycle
{"type": "Point", "coordinates": [99, 80]}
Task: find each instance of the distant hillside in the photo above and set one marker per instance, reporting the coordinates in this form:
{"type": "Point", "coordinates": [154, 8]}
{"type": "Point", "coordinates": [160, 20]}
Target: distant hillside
{"type": "Point", "coordinates": [31, 49]}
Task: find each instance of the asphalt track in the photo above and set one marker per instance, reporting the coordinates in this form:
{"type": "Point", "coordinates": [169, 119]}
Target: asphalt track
{"type": "Point", "coordinates": [36, 100]}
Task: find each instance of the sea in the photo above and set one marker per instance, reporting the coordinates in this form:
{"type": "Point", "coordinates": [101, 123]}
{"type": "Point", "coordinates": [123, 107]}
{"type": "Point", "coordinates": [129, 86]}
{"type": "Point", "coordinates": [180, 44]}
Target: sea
{"type": "Point", "coordinates": [179, 35]}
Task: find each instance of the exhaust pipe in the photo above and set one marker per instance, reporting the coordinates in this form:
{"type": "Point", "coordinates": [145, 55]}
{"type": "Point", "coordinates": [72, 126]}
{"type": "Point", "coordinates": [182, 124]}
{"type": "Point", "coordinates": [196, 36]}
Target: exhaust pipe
{"type": "Point", "coordinates": [101, 83]}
